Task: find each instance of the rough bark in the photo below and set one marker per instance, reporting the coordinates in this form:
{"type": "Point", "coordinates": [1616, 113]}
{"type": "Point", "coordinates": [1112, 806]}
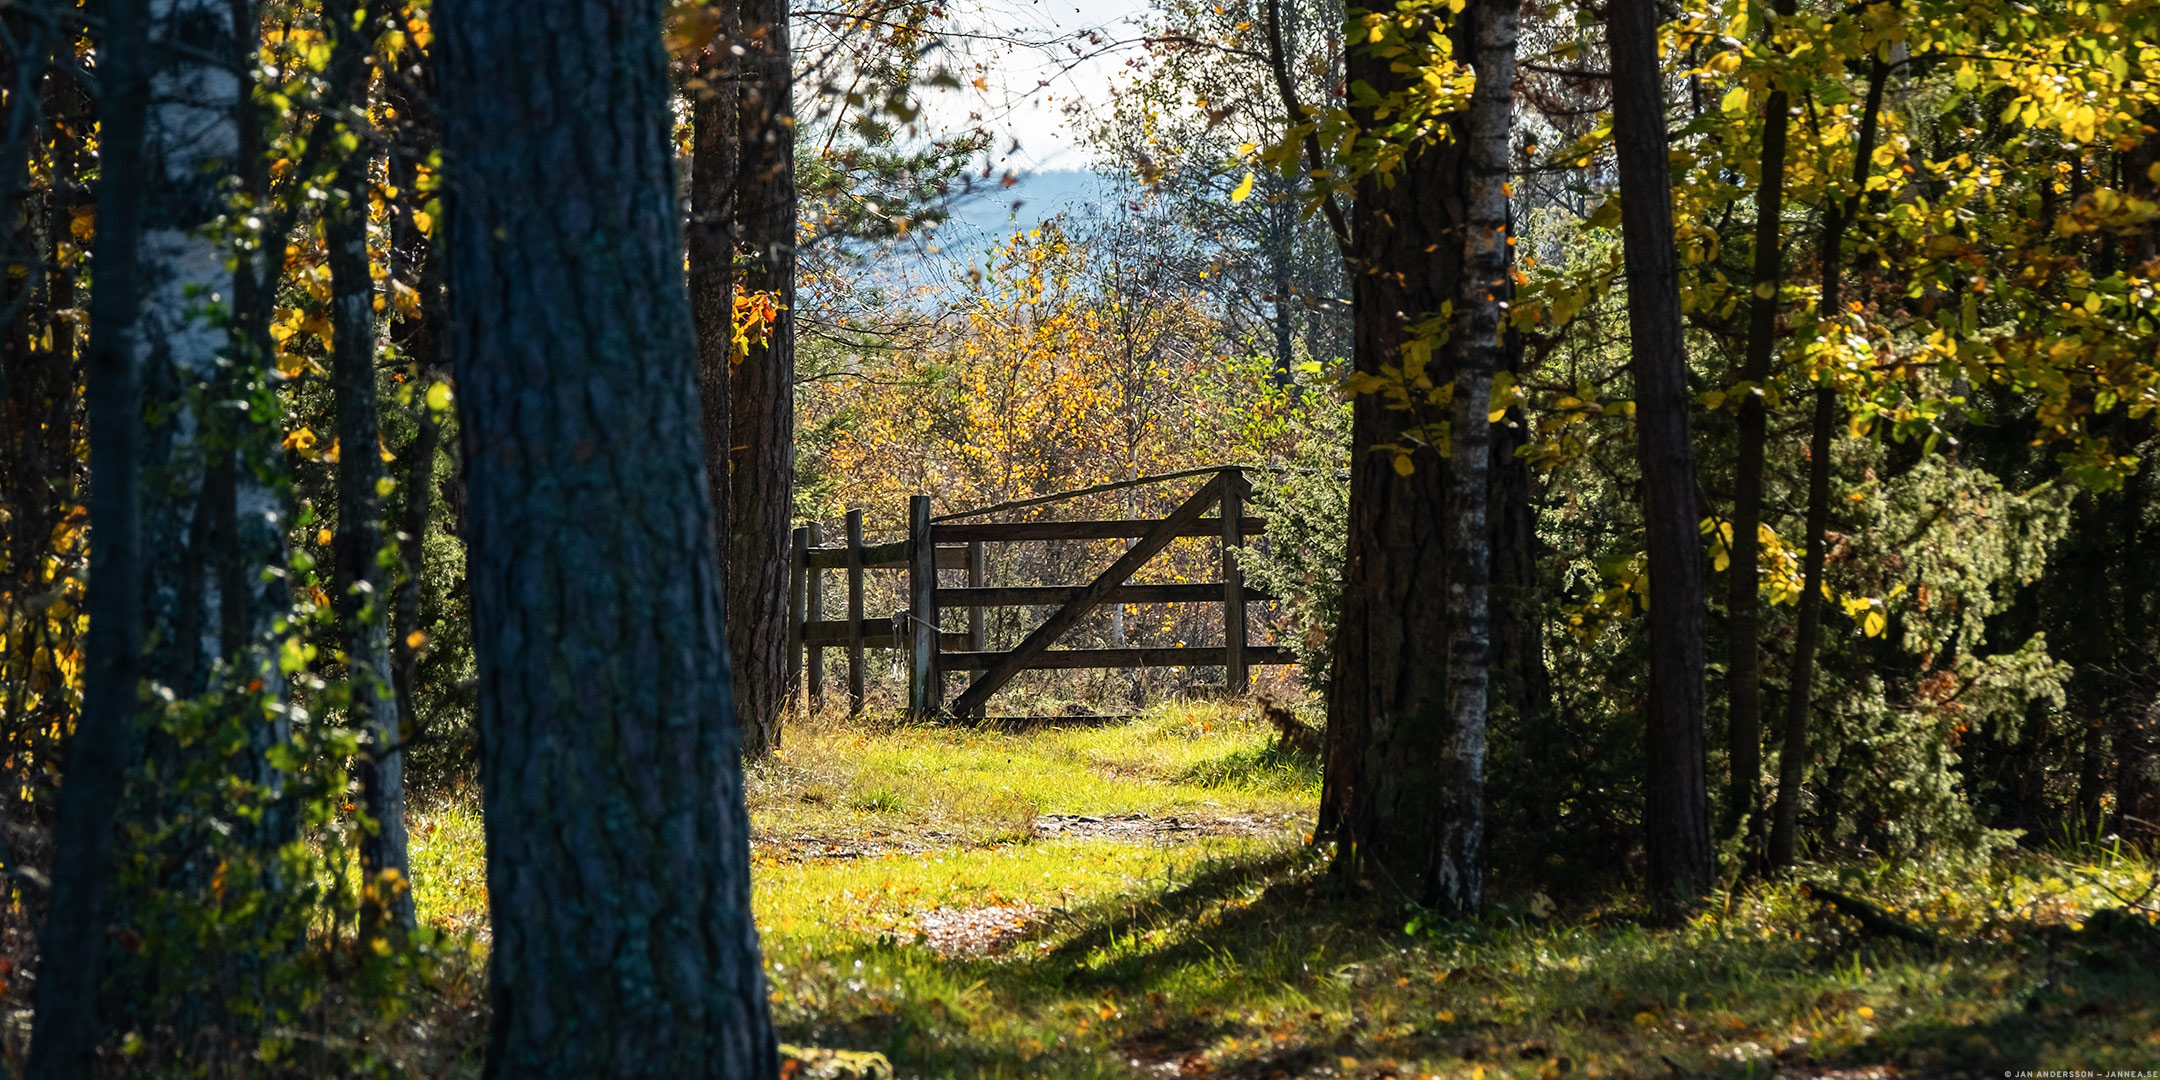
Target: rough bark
{"type": "Point", "coordinates": [762, 477]}
{"type": "Point", "coordinates": [616, 836]}
{"type": "Point", "coordinates": [65, 1025]}
{"type": "Point", "coordinates": [1387, 699]}
{"type": "Point", "coordinates": [1743, 678]}
{"type": "Point", "coordinates": [362, 587]}
{"type": "Point", "coordinates": [1677, 811]}
{"type": "Point", "coordinates": [1799, 698]}
{"type": "Point", "coordinates": [710, 240]}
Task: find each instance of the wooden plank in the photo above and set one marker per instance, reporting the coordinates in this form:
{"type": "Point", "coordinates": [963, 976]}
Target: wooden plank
{"type": "Point", "coordinates": [892, 556]}
{"type": "Point", "coordinates": [1052, 595]}
{"type": "Point", "coordinates": [926, 680]}
{"type": "Point", "coordinates": [814, 611]}
{"type": "Point", "coordinates": [1063, 659]}
{"type": "Point", "coordinates": [994, 677]}
{"type": "Point", "coordinates": [835, 632]}
{"type": "Point", "coordinates": [855, 613]}
{"type": "Point", "coordinates": [1238, 676]}
{"type": "Point", "coordinates": [1081, 530]}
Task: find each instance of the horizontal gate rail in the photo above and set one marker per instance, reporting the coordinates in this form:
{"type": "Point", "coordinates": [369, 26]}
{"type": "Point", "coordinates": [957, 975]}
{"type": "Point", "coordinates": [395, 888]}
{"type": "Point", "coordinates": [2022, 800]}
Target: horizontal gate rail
{"type": "Point", "coordinates": [1077, 530]}
{"type": "Point", "coordinates": [1163, 656]}
{"type": "Point", "coordinates": [1053, 595]}
{"type": "Point", "coordinates": [892, 556]}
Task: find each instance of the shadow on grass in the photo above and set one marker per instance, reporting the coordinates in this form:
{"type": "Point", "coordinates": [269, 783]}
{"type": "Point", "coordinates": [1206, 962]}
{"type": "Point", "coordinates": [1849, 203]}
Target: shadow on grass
{"type": "Point", "coordinates": [1265, 965]}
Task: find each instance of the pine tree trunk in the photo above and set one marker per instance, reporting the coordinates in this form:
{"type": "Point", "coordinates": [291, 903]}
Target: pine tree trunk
{"type": "Point", "coordinates": [1387, 736]}
{"type": "Point", "coordinates": [103, 747]}
{"type": "Point", "coordinates": [1677, 810]}
{"type": "Point", "coordinates": [1743, 678]}
{"type": "Point", "coordinates": [616, 836]}
{"type": "Point", "coordinates": [363, 589]}
{"type": "Point", "coordinates": [710, 240]}
{"type": "Point", "coordinates": [762, 481]}
{"type": "Point", "coordinates": [1406, 736]}
{"type": "Point", "coordinates": [1799, 698]}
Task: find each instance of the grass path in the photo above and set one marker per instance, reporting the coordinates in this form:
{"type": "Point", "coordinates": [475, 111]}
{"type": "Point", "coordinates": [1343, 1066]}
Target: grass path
{"type": "Point", "coordinates": [931, 894]}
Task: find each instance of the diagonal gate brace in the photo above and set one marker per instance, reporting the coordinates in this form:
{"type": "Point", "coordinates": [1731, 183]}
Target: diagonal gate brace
{"type": "Point", "coordinates": [1065, 618]}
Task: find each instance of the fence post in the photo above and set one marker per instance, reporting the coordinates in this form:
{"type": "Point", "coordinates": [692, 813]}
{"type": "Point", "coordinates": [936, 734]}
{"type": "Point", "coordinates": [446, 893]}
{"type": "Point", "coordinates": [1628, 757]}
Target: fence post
{"type": "Point", "coordinates": [978, 633]}
{"type": "Point", "coordinates": [814, 611]}
{"type": "Point", "coordinates": [978, 629]}
{"type": "Point", "coordinates": [798, 610]}
{"type": "Point", "coordinates": [854, 613]}
{"type": "Point", "coordinates": [926, 683]}
{"type": "Point", "coordinates": [1239, 676]}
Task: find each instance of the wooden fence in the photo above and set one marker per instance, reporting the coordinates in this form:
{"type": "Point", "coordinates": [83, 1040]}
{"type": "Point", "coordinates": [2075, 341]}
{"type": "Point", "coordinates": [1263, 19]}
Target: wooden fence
{"type": "Point", "coordinates": [948, 544]}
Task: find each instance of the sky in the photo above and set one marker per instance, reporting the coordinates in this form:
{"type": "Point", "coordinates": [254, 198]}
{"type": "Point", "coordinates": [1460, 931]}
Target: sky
{"type": "Point", "coordinates": [1012, 101]}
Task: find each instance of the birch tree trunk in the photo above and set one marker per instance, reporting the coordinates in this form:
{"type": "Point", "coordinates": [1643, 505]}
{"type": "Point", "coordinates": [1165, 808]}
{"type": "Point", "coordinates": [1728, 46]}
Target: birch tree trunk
{"type": "Point", "coordinates": [1457, 882]}
{"type": "Point", "coordinates": [617, 842]}
{"type": "Point", "coordinates": [1406, 737]}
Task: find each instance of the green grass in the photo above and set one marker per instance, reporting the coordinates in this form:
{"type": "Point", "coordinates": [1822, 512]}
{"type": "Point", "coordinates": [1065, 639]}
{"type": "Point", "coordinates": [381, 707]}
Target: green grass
{"type": "Point", "coordinates": [1242, 956]}
{"type": "Point", "coordinates": [903, 782]}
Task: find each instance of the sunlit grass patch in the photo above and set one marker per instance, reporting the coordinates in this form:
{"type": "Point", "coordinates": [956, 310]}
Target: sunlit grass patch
{"type": "Point", "coordinates": [865, 901]}
{"type": "Point", "coordinates": [979, 786]}
{"type": "Point", "coordinates": [449, 863]}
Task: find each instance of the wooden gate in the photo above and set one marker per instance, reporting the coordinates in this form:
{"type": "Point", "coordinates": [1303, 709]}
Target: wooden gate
{"type": "Point", "coordinates": [950, 543]}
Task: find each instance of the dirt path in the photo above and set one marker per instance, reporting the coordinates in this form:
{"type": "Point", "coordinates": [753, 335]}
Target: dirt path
{"type": "Point", "coordinates": [1126, 828]}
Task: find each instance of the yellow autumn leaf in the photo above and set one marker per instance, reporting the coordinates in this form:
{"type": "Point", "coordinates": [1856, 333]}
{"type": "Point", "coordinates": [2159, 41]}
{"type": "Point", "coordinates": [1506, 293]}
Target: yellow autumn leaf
{"type": "Point", "coordinates": [438, 397]}
{"type": "Point", "coordinates": [1874, 623]}
{"type": "Point", "coordinates": [1243, 190]}
{"type": "Point", "coordinates": [1403, 466]}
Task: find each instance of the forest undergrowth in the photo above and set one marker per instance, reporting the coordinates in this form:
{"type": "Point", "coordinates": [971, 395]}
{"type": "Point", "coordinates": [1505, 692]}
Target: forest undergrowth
{"type": "Point", "coordinates": [1141, 900]}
